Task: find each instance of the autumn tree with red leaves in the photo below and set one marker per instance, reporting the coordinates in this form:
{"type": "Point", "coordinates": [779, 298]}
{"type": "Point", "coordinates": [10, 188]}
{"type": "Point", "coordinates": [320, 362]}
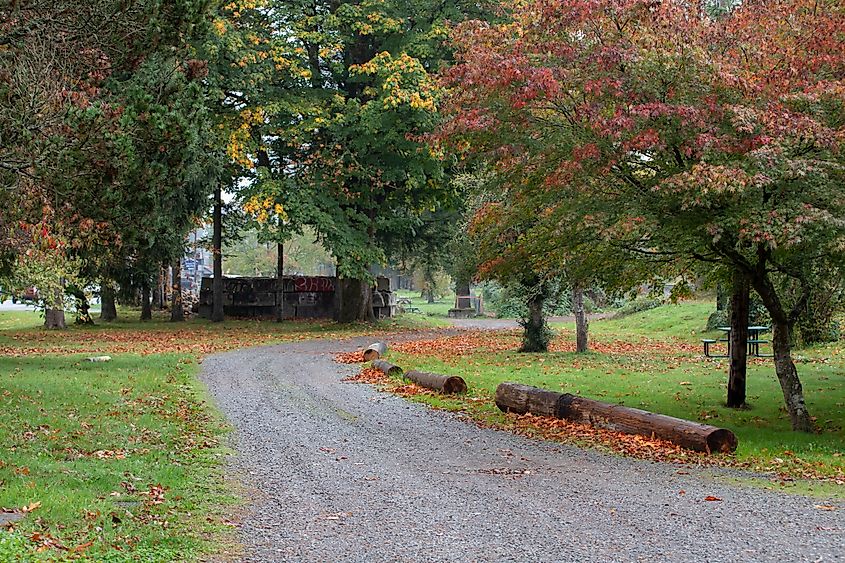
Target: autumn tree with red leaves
{"type": "Point", "coordinates": [677, 139]}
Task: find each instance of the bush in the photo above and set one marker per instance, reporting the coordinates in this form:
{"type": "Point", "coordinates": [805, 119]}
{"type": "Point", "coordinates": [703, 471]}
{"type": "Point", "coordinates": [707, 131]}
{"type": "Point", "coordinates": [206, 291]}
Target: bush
{"type": "Point", "coordinates": [637, 306]}
{"type": "Point", "coordinates": [718, 318]}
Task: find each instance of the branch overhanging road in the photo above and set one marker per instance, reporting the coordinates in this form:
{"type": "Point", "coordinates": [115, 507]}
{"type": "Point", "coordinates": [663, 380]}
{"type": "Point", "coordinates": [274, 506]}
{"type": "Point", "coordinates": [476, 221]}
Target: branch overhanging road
{"type": "Point", "coordinates": [342, 472]}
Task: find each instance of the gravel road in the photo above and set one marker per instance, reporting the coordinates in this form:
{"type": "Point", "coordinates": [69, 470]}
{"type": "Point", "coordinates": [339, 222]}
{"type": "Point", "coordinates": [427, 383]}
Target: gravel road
{"type": "Point", "coordinates": [340, 472]}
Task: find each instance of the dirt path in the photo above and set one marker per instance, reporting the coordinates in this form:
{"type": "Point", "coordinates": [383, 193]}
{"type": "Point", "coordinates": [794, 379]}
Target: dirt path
{"type": "Point", "coordinates": [340, 472]}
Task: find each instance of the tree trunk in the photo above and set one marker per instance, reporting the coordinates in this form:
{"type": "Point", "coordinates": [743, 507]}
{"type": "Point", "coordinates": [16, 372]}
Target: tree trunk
{"type": "Point", "coordinates": [581, 323]}
{"type": "Point", "coordinates": [387, 368]}
{"type": "Point", "coordinates": [514, 397]}
{"type": "Point", "coordinates": [280, 260]}
{"type": "Point", "coordinates": [790, 384]}
{"type": "Point", "coordinates": [108, 308]}
{"type": "Point", "coordinates": [354, 301]}
{"type": "Point", "coordinates": [535, 335]}
{"type": "Point", "coordinates": [54, 317]}
{"type": "Point", "coordinates": [443, 383]}
{"type": "Point", "coordinates": [375, 351]}
{"type": "Point", "coordinates": [217, 244]}
{"type": "Point", "coordinates": [280, 276]}
{"type": "Point", "coordinates": [429, 280]}
{"type": "Point", "coordinates": [146, 306]}
{"type": "Point", "coordinates": [738, 341]}
{"type": "Point", "coordinates": [177, 311]}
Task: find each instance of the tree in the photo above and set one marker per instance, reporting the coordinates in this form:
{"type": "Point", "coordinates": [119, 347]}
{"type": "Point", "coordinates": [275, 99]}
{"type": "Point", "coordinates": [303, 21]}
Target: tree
{"type": "Point", "coordinates": [77, 141]}
{"type": "Point", "coordinates": [678, 139]}
{"type": "Point", "coordinates": [342, 138]}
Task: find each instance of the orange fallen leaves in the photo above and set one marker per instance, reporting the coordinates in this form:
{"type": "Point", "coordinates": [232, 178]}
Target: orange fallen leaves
{"type": "Point", "coordinates": [368, 375]}
{"type": "Point", "coordinates": [350, 357]}
{"type": "Point", "coordinates": [631, 445]}
{"type": "Point", "coordinates": [197, 340]}
{"type": "Point", "coordinates": [462, 344]}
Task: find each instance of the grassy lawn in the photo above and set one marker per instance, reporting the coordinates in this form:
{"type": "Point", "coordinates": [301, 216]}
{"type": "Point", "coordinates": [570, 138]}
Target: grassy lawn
{"type": "Point", "coordinates": [652, 360]}
{"type": "Point", "coordinates": [119, 460]}
{"type": "Point", "coordinates": [438, 309]}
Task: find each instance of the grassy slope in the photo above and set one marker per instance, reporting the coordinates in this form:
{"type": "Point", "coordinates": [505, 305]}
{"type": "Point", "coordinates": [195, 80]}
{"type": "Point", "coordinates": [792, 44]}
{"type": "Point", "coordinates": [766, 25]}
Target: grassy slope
{"type": "Point", "coordinates": [645, 365]}
{"type": "Point", "coordinates": [90, 441]}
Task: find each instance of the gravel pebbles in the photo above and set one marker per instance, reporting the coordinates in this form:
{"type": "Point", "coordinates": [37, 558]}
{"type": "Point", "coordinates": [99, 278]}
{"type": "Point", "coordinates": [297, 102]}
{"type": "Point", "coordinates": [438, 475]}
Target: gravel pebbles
{"type": "Point", "coordinates": [342, 472]}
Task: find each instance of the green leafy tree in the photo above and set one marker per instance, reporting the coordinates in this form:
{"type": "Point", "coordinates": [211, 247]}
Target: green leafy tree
{"type": "Point", "coordinates": [679, 140]}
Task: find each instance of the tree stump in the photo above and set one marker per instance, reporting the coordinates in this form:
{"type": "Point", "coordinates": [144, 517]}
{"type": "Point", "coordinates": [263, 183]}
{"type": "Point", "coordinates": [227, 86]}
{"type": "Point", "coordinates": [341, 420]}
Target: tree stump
{"type": "Point", "coordinates": [443, 383]}
{"type": "Point", "coordinates": [375, 351]}
{"type": "Point", "coordinates": [387, 368]}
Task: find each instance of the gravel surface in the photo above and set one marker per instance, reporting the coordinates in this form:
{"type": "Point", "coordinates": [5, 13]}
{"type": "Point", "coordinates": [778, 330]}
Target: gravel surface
{"type": "Point", "coordinates": [341, 472]}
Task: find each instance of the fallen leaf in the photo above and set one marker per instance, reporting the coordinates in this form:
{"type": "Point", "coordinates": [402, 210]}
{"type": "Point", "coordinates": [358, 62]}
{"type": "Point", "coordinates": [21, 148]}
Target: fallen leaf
{"type": "Point", "coordinates": [711, 498]}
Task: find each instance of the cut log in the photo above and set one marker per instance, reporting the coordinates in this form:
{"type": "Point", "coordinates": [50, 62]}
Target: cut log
{"type": "Point", "coordinates": [387, 368]}
{"type": "Point", "coordinates": [521, 399]}
{"type": "Point", "coordinates": [443, 383]}
{"type": "Point", "coordinates": [375, 351]}
{"type": "Point", "coordinates": [514, 397]}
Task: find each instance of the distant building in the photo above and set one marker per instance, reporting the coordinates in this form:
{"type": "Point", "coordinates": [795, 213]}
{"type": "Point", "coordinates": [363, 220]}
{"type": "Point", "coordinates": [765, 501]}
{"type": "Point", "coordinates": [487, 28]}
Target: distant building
{"type": "Point", "coordinates": [198, 261]}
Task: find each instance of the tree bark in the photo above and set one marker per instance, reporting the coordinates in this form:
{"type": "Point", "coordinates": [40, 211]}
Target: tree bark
{"type": "Point", "coordinates": [375, 351]}
{"type": "Point", "coordinates": [787, 374]}
{"type": "Point", "coordinates": [280, 260]}
{"type": "Point", "coordinates": [738, 340]}
{"type": "Point", "coordinates": [514, 397]}
{"type": "Point", "coordinates": [387, 368]}
{"type": "Point", "coordinates": [146, 306]}
{"type": "Point", "coordinates": [217, 245]}
{"type": "Point", "coordinates": [793, 392]}
{"type": "Point", "coordinates": [280, 276]}
{"type": "Point", "coordinates": [443, 383]}
{"type": "Point", "coordinates": [429, 280]}
{"type": "Point", "coordinates": [54, 317]}
{"type": "Point", "coordinates": [581, 323]}
{"type": "Point", "coordinates": [108, 308]}
{"type": "Point", "coordinates": [177, 311]}
{"type": "Point", "coordinates": [535, 336]}
{"type": "Point", "coordinates": [354, 301]}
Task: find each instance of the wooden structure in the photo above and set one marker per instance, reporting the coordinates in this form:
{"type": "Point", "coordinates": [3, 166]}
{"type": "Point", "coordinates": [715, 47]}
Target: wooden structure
{"type": "Point", "coordinates": [292, 297]}
{"type": "Point", "coordinates": [375, 351]}
{"type": "Point", "coordinates": [387, 368]}
{"type": "Point", "coordinates": [518, 398]}
{"type": "Point", "coordinates": [443, 383]}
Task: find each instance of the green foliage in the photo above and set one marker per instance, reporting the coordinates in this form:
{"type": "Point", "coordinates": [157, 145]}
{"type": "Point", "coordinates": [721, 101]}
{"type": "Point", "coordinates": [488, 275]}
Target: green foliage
{"type": "Point", "coordinates": [339, 143]}
{"type": "Point", "coordinates": [639, 305]}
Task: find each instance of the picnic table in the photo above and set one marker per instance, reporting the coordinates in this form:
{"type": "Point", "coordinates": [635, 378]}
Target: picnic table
{"type": "Point", "coordinates": [407, 306]}
{"type": "Point", "coordinates": [754, 342]}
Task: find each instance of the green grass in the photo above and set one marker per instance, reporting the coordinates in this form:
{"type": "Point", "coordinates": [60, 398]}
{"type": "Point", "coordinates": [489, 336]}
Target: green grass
{"type": "Point", "coordinates": [651, 374]}
{"type": "Point", "coordinates": [90, 441]}
{"type": "Point", "coordinates": [438, 309]}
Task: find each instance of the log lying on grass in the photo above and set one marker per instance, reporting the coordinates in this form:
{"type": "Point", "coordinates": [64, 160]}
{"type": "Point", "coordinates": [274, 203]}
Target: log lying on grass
{"type": "Point", "coordinates": [375, 351]}
{"type": "Point", "coordinates": [442, 383]}
{"type": "Point", "coordinates": [514, 397]}
{"type": "Point", "coordinates": [387, 368]}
